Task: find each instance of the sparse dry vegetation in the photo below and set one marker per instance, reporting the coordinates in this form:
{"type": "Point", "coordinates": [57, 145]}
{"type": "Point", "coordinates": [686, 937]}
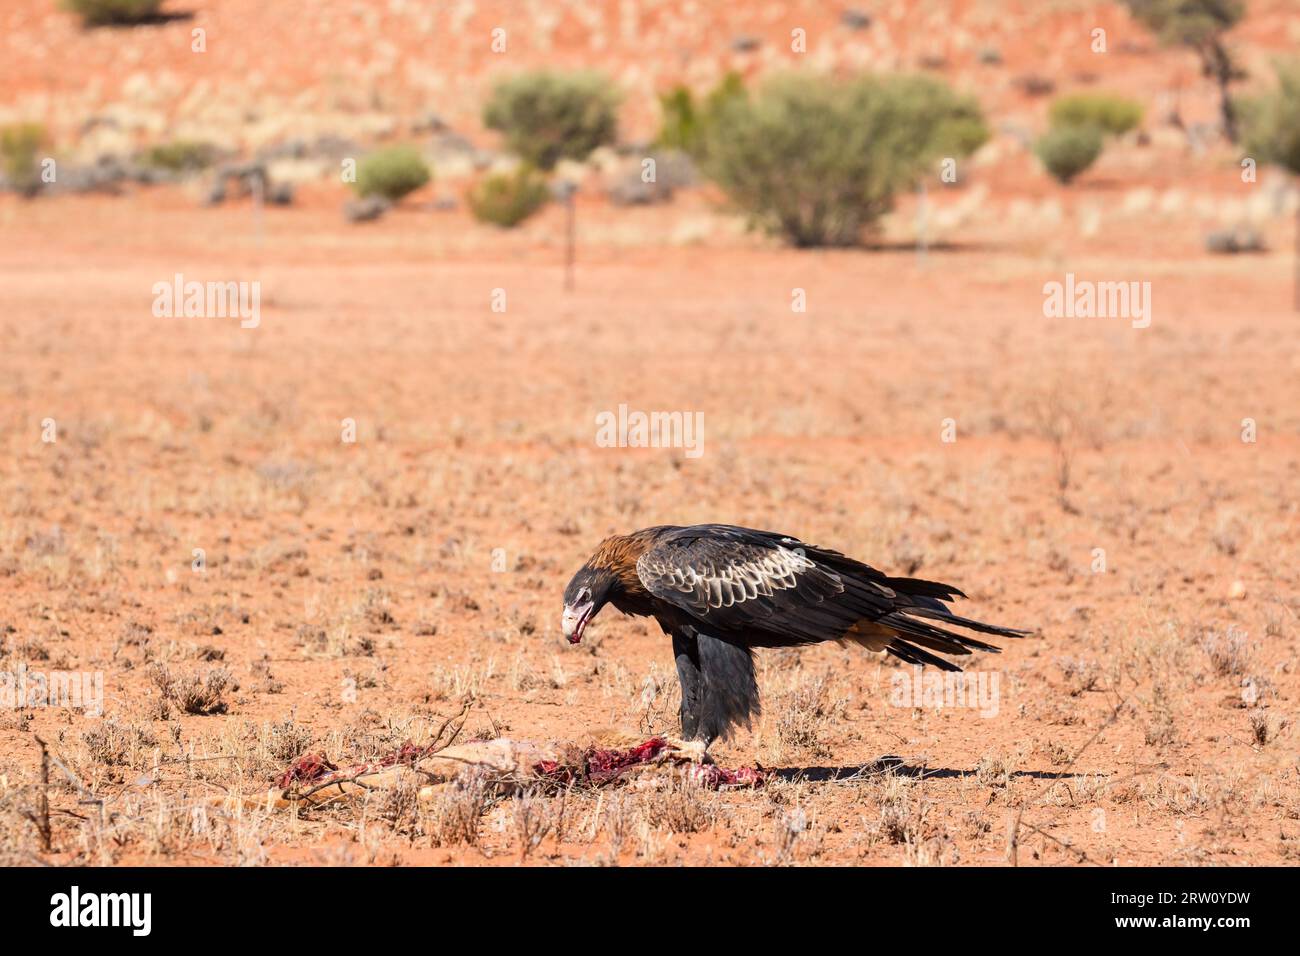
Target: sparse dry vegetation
{"type": "Point", "coordinates": [1100, 487]}
{"type": "Point", "coordinates": [195, 692]}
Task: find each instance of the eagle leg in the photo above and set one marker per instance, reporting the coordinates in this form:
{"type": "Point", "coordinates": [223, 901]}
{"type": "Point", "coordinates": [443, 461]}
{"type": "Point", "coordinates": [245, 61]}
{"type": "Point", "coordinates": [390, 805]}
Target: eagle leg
{"type": "Point", "coordinates": [686, 650]}
{"type": "Point", "coordinates": [719, 690]}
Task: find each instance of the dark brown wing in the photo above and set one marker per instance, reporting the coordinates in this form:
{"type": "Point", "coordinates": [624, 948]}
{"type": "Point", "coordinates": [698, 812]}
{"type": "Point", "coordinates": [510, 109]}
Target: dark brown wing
{"type": "Point", "coordinates": [765, 589]}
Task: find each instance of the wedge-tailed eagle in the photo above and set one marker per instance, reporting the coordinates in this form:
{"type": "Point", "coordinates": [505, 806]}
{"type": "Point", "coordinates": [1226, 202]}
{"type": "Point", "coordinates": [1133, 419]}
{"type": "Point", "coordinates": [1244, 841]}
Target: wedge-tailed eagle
{"type": "Point", "coordinates": [721, 590]}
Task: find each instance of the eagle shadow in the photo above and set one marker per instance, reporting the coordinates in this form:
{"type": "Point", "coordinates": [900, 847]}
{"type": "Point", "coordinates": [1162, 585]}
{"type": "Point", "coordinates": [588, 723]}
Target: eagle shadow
{"type": "Point", "coordinates": [160, 18]}
{"type": "Point", "coordinates": [896, 766]}
{"type": "Point", "coordinates": [939, 246]}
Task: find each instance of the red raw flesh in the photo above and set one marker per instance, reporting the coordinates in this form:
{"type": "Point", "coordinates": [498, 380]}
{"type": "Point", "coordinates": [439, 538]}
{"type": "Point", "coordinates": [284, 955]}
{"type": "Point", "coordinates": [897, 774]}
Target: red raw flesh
{"type": "Point", "coordinates": [598, 765]}
{"type": "Point", "coordinates": [316, 768]}
{"type": "Point", "coordinates": [306, 769]}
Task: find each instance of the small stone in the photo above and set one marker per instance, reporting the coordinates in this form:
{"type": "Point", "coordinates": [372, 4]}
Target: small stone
{"type": "Point", "coordinates": [280, 194]}
{"type": "Point", "coordinates": [1233, 241]}
{"type": "Point", "coordinates": [366, 210]}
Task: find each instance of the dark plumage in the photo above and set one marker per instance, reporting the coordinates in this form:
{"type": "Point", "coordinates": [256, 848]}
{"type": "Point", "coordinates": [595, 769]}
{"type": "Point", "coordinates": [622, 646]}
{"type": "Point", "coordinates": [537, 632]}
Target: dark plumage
{"type": "Point", "coordinates": [720, 591]}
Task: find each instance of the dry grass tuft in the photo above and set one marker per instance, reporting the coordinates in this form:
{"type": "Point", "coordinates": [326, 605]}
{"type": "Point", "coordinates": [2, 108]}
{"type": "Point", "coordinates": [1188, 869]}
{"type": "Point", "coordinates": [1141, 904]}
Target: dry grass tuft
{"type": "Point", "coordinates": [806, 713]}
{"type": "Point", "coordinates": [111, 744]}
{"type": "Point", "coordinates": [454, 816]}
{"type": "Point", "coordinates": [1229, 651]}
{"type": "Point", "coordinates": [195, 692]}
{"type": "Point", "coordinates": [681, 806]}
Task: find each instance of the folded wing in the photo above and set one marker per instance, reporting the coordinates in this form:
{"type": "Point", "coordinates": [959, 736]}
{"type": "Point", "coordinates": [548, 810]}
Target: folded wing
{"type": "Point", "coordinates": [763, 589]}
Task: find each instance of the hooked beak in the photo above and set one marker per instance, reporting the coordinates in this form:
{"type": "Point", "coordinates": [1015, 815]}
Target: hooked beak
{"type": "Point", "coordinates": [575, 619]}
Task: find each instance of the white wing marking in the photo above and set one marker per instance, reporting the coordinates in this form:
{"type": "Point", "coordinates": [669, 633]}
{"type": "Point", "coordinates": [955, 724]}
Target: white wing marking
{"type": "Point", "coordinates": [776, 570]}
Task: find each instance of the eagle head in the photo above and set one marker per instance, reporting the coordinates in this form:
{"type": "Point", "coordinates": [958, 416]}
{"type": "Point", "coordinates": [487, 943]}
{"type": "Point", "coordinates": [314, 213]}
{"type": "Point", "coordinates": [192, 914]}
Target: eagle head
{"type": "Point", "coordinates": [589, 591]}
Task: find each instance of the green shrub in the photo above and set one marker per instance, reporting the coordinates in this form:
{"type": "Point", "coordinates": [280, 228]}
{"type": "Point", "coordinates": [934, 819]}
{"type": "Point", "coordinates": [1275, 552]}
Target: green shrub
{"type": "Point", "coordinates": [180, 156]}
{"type": "Point", "coordinates": [684, 121]}
{"type": "Point", "coordinates": [1272, 121]}
{"type": "Point", "coordinates": [20, 146]}
{"type": "Point", "coordinates": [1111, 114]}
{"type": "Point", "coordinates": [507, 199]}
{"type": "Point", "coordinates": [102, 12]}
{"type": "Point", "coordinates": [680, 127]}
{"type": "Point", "coordinates": [546, 116]}
{"type": "Point", "coordinates": [817, 161]}
{"type": "Point", "coordinates": [1067, 151]}
{"type": "Point", "coordinates": [392, 173]}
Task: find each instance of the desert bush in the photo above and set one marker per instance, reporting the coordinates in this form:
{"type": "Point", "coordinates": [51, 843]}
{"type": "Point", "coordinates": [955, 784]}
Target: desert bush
{"type": "Point", "coordinates": [547, 116]}
{"type": "Point", "coordinates": [818, 161]}
{"type": "Point", "coordinates": [195, 693]}
{"type": "Point", "coordinates": [1272, 121]}
{"type": "Point", "coordinates": [1066, 151]}
{"type": "Point", "coordinates": [685, 121]}
{"type": "Point", "coordinates": [392, 173]}
{"type": "Point", "coordinates": [1108, 112]}
{"type": "Point", "coordinates": [102, 12]}
{"type": "Point", "coordinates": [20, 146]}
{"type": "Point", "coordinates": [507, 199]}
{"type": "Point", "coordinates": [181, 156]}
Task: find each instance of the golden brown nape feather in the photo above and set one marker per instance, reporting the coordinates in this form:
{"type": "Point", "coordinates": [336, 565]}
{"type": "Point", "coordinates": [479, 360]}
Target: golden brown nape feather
{"type": "Point", "coordinates": [618, 553]}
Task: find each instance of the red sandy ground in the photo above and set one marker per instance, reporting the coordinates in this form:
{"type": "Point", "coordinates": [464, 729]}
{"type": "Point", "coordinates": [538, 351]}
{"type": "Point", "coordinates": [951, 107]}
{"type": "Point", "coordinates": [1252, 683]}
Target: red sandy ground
{"type": "Point", "coordinates": [330, 563]}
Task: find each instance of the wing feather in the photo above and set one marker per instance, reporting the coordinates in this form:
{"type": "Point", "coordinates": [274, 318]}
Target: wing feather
{"type": "Point", "coordinates": [766, 589]}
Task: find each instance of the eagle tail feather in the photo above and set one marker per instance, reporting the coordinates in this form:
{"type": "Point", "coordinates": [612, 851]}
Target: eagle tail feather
{"type": "Point", "coordinates": [914, 655]}
{"type": "Point", "coordinates": [955, 619]}
{"type": "Point", "coordinates": [919, 587]}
